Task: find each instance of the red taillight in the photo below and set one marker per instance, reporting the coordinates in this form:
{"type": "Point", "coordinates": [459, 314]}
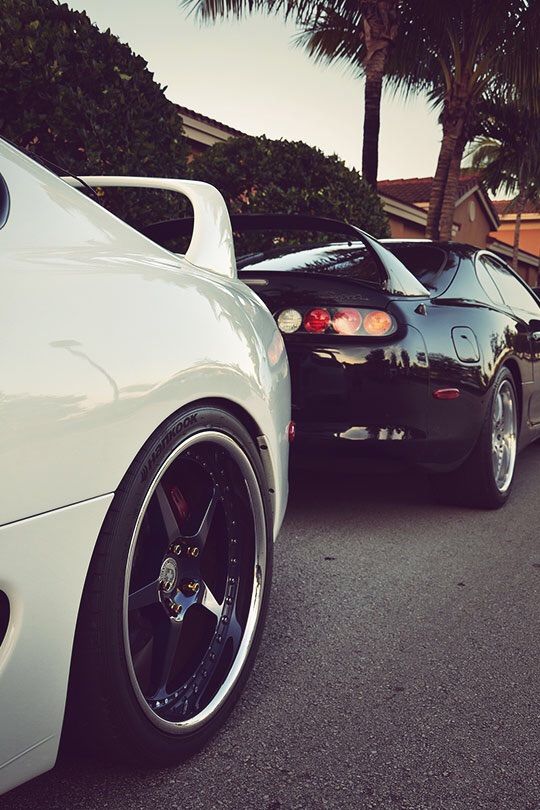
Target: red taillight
{"type": "Point", "coordinates": [378, 323]}
{"type": "Point", "coordinates": [343, 321]}
{"type": "Point", "coordinates": [291, 432]}
{"type": "Point", "coordinates": [347, 321]}
{"type": "Point", "coordinates": [316, 320]}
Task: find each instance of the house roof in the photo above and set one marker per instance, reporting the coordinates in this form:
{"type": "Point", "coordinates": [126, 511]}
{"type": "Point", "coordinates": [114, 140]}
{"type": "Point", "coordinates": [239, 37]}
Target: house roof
{"type": "Point", "coordinates": [506, 250]}
{"type": "Point", "coordinates": [204, 119]}
{"type": "Point", "coordinates": [504, 207]}
{"type": "Point", "coordinates": [417, 190]}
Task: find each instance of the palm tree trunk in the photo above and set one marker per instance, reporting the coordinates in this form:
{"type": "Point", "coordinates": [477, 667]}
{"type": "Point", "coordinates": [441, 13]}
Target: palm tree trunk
{"type": "Point", "coordinates": [448, 149]}
{"type": "Point", "coordinates": [372, 116]}
{"type": "Point", "coordinates": [454, 119]}
{"type": "Point", "coordinates": [380, 27]}
{"type": "Point", "coordinates": [520, 205]}
{"type": "Point", "coordinates": [451, 191]}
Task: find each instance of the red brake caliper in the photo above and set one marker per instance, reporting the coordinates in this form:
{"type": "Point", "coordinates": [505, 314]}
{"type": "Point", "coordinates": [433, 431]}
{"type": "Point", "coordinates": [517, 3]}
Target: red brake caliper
{"type": "Point", "coordinates": [180, 503]}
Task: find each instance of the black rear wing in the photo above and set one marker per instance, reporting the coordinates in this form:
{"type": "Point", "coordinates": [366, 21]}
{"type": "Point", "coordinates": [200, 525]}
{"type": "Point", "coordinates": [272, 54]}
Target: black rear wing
{"type": "Point", "coordinates": [161, 232]}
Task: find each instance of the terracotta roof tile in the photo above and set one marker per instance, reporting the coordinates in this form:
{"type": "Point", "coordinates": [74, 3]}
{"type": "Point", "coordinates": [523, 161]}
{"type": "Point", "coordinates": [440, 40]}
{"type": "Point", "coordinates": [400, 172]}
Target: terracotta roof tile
{"type": "Point", "coordinates": [505, 207]}
{"type": "Point", "coordinates": [414, 190]}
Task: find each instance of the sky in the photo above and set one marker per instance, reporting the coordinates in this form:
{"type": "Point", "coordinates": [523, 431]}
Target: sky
{"type": "Point", "coordinates": [248, 74]}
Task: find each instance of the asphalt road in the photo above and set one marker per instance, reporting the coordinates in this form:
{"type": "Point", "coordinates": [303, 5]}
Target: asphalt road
{"type": "Point", "coordinates": [399, 668]}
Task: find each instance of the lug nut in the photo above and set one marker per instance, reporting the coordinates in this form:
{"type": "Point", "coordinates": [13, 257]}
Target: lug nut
{"type": "Point", "coordinates": [191, 587]}
{"type": "Point", "coordinates": [193, 551]}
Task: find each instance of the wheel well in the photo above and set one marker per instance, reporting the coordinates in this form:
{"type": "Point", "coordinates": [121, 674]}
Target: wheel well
{"type": "Point", "coordinates": [513, 368]}
{"type": "Point", "coordinates": [235, 410]}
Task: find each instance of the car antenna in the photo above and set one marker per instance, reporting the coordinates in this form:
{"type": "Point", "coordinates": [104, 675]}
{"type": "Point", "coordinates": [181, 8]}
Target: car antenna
{"type": "Point", "coordinates": [59, 170]}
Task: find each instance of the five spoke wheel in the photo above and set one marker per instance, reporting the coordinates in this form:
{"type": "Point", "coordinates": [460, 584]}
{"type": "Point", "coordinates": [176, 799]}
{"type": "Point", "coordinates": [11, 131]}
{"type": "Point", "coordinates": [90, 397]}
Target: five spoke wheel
{"type": "Point", "coordinates": [193, 582]}
{"type": "Point", "coordinates": [504, 435]}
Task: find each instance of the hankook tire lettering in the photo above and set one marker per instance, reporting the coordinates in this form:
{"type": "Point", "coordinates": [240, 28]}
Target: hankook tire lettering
{"type": "Point", "coordinates": [165, 442]}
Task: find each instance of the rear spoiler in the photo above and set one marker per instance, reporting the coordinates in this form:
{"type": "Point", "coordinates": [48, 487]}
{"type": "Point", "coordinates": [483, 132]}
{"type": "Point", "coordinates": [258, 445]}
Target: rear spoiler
{"type": "Point", "coordinates": [211, 245]}
{"type": "Point", "coordinates": [160, 232]}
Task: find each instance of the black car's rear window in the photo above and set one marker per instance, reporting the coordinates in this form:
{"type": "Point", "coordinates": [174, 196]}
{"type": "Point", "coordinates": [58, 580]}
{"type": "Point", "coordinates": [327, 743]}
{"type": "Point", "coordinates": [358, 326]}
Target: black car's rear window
{"type": "Point", "coordinates": [426, 262]}
{"type": "Point", "coordinates": [347, 260]}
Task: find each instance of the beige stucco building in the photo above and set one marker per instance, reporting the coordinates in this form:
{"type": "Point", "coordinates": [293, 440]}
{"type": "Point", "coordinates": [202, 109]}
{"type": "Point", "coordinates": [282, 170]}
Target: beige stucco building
{"type": "Point", "coordinates": [477, 220]}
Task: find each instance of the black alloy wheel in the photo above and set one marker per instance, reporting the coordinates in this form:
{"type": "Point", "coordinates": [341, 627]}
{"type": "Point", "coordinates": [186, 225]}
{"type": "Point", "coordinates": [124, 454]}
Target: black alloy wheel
{"type": "Point", "coordinates": [177, 592]}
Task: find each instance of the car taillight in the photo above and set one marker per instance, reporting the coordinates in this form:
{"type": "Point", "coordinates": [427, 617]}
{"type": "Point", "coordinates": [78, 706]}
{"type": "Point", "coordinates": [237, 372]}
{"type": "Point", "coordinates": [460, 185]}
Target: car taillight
{"type": "Point", "coordinates": [317, 320]}
{"type": "Point", "coordinates": [347, 321]}
{"type": "Point", "coordinates": [289, 321]}
{"type": "Point", "coordinates": [378, 323]}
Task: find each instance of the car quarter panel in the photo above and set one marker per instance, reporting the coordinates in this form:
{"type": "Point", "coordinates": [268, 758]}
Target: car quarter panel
{"type": "Point", "coordinates": [42, 571]}
{"type": "Point", "coordinates": [104, 335]}
{"type": "Point", "coordinates": [502, 338]}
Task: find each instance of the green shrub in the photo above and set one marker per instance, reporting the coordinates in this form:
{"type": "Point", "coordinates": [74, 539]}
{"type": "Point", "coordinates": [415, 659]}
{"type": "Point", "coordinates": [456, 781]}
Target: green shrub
{"type": "Point", "coordinates": [259, 175]}
{"type": "Point", "coordinates": [82, 99]}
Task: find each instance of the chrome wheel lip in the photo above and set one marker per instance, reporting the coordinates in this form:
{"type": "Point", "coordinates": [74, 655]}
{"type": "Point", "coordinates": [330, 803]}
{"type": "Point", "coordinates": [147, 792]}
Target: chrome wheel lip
{"type": "Point", "coordinates": [259, 577]}
{"type": "Point", "coordinates": [503, 436]}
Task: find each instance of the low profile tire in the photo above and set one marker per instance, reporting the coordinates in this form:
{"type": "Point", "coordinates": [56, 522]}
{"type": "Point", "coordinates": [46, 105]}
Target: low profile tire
{"type": "Point", "coordinates": [486, 478]}
{"type": "Point", "coordinates": [176, 594]}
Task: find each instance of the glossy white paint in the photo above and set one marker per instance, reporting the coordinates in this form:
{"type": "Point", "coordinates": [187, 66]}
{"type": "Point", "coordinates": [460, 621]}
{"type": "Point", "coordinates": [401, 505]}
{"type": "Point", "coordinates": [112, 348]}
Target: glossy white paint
{"type": "Point", "coordinates": [104, 335]}
{"type": "Point", "coordinates": [43, 565]}
{"type": "Point", "coordinates": [212, 248]}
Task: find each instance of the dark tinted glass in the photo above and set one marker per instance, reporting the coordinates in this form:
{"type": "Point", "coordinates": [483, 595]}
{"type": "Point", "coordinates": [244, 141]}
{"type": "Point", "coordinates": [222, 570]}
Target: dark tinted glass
{"type": "Point", "coordinates": [513, 291]}
{"type": "Point", "coordinates": [426, 262]}
{"type": "Point", "coordinates": [488, 285]}
{"type": "Point", "coordinates": [351, 260]}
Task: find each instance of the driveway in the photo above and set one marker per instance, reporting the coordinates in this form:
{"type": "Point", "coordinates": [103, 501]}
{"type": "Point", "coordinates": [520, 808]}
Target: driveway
{"type": "Point", "coordinates": [399, 668]}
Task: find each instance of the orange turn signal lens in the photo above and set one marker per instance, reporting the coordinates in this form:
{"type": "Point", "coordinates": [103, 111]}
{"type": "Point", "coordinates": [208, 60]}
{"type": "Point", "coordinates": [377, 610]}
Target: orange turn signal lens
{"type": "Point", "coordinates": [378, 323]}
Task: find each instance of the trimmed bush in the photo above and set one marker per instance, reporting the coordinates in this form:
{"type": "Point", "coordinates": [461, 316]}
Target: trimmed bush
{"type": "Point", "coordinates": [80, 98]}
{"type": "Point", "coordinates": [259, 175]}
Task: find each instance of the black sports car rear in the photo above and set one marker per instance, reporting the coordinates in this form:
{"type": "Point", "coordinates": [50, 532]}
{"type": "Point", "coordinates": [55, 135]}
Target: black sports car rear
{"type": "Point", "coordinates": [409, 350]}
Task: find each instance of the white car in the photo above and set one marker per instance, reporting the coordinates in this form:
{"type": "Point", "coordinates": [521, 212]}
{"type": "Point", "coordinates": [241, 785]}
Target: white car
{"type": "Point", "coordinates": [144, 426]}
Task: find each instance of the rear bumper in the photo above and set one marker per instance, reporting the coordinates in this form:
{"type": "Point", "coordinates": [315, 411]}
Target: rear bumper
{"type": "Point", "coordinates": [375, 401]}
{"type": "Point", "coordinates": [357, 392]}
{"type": "Point", "coordinates": [324, 442]}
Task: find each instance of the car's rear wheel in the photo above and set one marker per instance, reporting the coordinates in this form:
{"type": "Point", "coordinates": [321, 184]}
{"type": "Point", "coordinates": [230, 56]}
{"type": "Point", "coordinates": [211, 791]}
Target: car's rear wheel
{"type": "Point", "coordinates": [486, 478]}
{"type": "Point", "coordinates": [176, 594]}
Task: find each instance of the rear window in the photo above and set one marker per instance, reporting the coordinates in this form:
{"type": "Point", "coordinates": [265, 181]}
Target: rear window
{"type": "Point", "coordinates": [426, 262]}
{"type": "Point", "coordinates": [350, 260]}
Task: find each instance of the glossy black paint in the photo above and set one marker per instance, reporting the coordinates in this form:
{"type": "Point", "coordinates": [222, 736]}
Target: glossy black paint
{"type": "Point", "coordinates": [375, 396]}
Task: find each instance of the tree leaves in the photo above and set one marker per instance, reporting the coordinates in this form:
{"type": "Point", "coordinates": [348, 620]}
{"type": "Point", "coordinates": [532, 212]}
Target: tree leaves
{"type": "Point", "coordinates": [85, 101]}
{"type": "Point", "coordinates": [259, 175]}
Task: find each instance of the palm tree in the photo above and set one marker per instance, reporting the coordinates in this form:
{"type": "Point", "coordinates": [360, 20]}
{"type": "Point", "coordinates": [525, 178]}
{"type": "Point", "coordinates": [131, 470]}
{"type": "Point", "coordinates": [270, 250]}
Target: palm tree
{"type": "Point", "coordinates": [460, 52]}
{"type": "Point", "coordinates": [372, 26]}
{"type": "Point", "coordinates": [507, 153]}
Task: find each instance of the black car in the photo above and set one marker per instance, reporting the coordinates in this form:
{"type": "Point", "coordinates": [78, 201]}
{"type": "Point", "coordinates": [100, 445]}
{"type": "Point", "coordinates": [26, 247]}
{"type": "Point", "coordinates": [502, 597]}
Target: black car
{"type": "Point", "coordinates": [405, 349]}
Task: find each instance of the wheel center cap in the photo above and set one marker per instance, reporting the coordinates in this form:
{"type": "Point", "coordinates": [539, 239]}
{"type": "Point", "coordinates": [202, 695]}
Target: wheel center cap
{"type": "Point", "coordinates": [168, 575]}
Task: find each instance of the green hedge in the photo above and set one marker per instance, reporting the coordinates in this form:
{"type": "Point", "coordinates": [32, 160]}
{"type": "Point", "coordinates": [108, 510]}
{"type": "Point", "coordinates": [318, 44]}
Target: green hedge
{"type": "Point", "coordinates": [259, 175]}
{"type": "Point", "coordinates": [82, 99]}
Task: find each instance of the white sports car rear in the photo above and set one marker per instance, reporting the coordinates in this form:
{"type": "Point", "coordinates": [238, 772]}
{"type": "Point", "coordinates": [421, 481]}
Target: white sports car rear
{"type": "Point", "coordinates": [145, 406]}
